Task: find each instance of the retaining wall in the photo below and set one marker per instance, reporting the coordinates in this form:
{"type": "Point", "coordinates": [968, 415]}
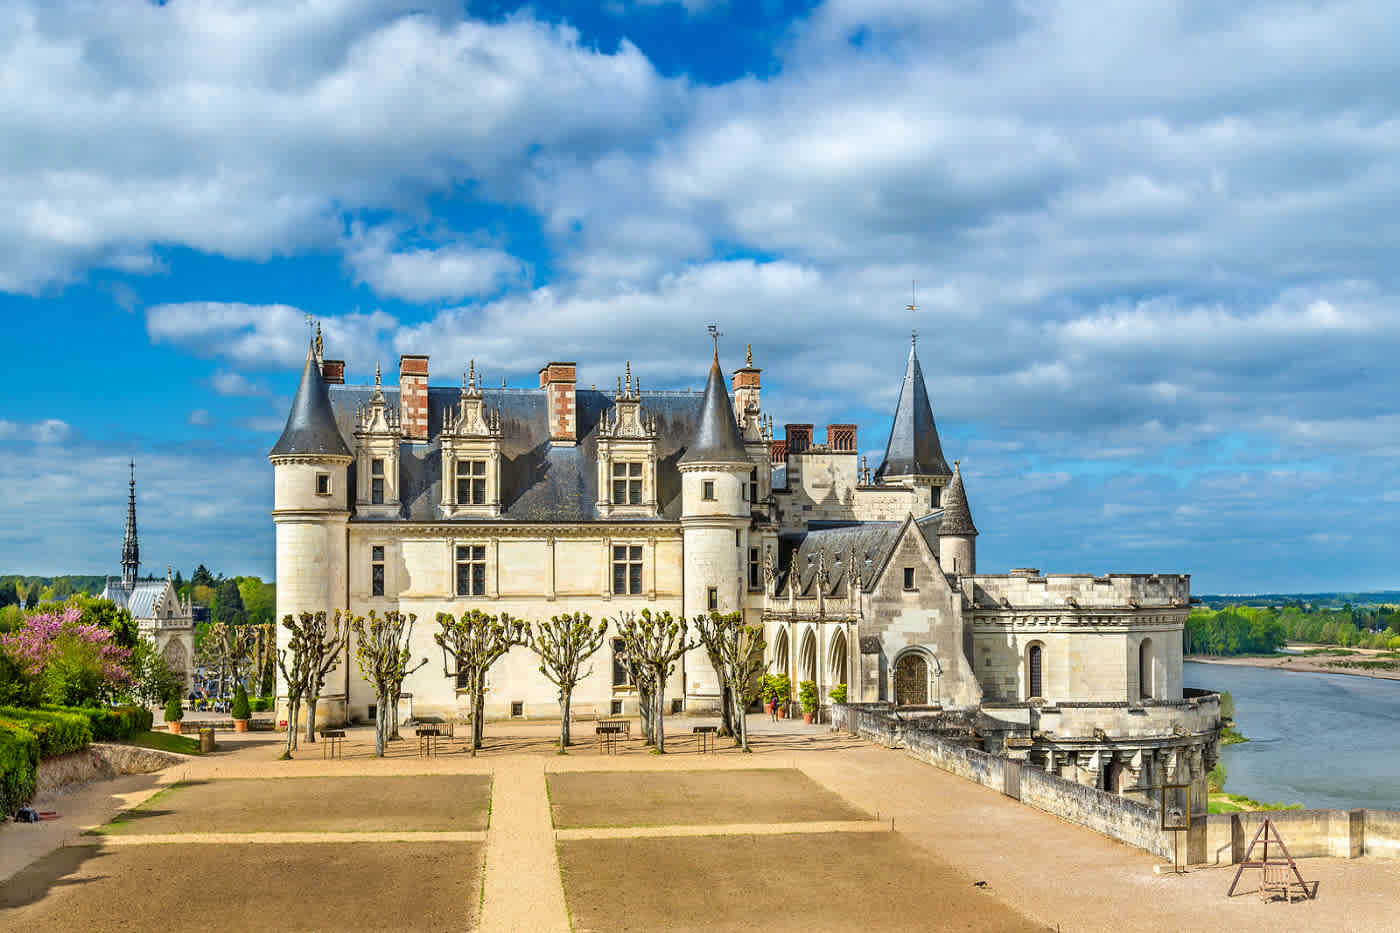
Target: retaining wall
{"type": "Point", "coordinates": [1307, 833]}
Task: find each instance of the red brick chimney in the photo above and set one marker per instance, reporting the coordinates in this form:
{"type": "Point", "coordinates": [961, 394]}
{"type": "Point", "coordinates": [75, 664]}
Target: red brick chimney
{"type": "Point", "coordinates": [558, 381]}
{"type": "Point", "coordinates": [841, 437]}
{"type": "Point", "coordinates": [799, 437]}
{"type": "Point", "coordinates": [746, 385]}
{"type": "Point", "coordinates": [413, 396]}
{"type": "Point", "coordinates": [333, 372]}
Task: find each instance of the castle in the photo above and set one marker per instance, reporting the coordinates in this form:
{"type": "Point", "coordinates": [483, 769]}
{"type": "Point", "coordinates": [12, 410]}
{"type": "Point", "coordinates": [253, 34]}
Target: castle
{"type": "Point", "coordinates": [556, 499]}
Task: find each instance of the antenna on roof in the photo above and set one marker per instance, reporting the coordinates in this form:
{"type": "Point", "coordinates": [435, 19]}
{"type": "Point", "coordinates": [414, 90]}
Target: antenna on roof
{"type": "Point", "coordinates": [913, 308]}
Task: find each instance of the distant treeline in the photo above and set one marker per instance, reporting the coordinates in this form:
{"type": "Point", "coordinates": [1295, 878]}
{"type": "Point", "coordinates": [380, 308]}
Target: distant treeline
{"type": "Point", "coordinates": [1337, 600]}
{"type": "Point", "coordinates": [1263, 630]}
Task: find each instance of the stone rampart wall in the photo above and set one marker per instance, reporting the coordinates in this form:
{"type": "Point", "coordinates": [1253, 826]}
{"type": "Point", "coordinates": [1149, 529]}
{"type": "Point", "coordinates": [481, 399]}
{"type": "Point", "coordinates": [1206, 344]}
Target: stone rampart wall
{"type": "Point", "coordinates": [1306, 833]}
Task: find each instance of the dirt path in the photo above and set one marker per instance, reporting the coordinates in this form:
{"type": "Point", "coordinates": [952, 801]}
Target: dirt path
{"type": "Point", "coordinates": [522, 890]}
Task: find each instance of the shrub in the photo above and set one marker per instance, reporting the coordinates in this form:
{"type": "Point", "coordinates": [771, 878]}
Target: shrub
{"type": "Point", "coordinates": [263, 704]}
{"type": "Point", "coordinates": [838, 693]}
{"type": "Point", "coordinates": [807, 693]}
{"type": "Point", "coordinates": [18, 687]}
{"type": "Point", "coordinates": [240, 704]}
{"type": "Point", "coordinates": [173, 711]}
{"type": "Point", "coordinates": [19, 762]}
{"type": "Point", "coordinates": [58, 732]}
{"type": "Point", "coordinates": [78, 664]}
{"type": "Point", "coordinates": [114, 724]}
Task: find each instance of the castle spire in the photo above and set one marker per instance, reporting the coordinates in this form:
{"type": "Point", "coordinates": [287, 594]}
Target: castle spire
{"type": "Point", "coordinates": [957, 517]}
{"type": "Point", "coordinates": [913, 448]}
{"type": "Point", "coordinates": [311, 427]}
{"type": "Point", "coordinates": [131, 549]}
{"type": "Point", "coordinates": [717, 438]}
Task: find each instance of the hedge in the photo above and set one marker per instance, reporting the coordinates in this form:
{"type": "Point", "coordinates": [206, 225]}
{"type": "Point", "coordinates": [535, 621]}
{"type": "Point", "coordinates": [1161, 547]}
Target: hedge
{"type": "Point", "coordinates": [58, 732]}
{"type": "Point", "coordinates": [115, 724]}
{"type": "Point", "coordinates": [19, 761]}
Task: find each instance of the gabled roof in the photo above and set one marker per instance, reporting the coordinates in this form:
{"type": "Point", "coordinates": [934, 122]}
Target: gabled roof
{"type": "Point", "coordinates": [717, 438]}
{"type": "Point", "coordinates": [311, 427]}
{"type": "Point", "coordinates": [869, 542]}
{"type": "Point", "coordinates": [913, 448]}
{"type": "Point", "coordinates": [139, 599]}
{"type": "Point", "coordinates": [957, 517]}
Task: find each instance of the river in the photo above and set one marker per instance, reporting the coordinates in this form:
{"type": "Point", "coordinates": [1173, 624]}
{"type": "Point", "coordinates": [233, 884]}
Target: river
{"type": "Point", "coordinates": [1323, 740]}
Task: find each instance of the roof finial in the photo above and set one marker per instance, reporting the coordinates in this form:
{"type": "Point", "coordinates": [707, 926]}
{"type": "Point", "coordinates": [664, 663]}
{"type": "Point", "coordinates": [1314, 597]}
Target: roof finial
{"type": "Point", "coordinates": [472, 366]}
{"type": "Point", "coordinates": [318, 340]}
{"type": "Point", "coordinates": [913, 308]}
{"type": "Point", "coordinates": [748, 355]}
{"type": "Point", "coordinates": [629, 377]}
{"type": "Point", "coordinates": [715, 334]}
{"type": "Point", "coordinates": [376, 374]}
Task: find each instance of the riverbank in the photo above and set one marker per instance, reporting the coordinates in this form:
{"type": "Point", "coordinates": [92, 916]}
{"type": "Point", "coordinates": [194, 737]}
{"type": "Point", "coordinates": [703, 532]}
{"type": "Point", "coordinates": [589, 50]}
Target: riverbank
{"type": "Point", "coordinates": [1311, 664]}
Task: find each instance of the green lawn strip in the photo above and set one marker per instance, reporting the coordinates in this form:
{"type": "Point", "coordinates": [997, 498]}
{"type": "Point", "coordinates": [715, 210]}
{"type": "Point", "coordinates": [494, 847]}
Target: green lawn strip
{"type": "Point", "coordinates": [1239, 803]}
{"type": "Point", "coordinates": [125, 815]}
{"type": "Point", "coordinates": [165, 742]}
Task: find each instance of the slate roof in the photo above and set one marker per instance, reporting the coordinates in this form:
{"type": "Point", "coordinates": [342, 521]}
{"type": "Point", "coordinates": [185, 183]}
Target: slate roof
{"type": "Point", "coordinates": [540, 482]}
{"type": "Point", "coordinates": [717, 437]}
{"type": "Point", "coordinates": [957, 517]}
{"type": "Point", "coordinates": [311, 425]}
{"type": "Point", "coordinates": [871, 541]}
{"type": "Point", "coordinates": [913, 448]}
{"type": "Point", "coordinates": [139, 598]}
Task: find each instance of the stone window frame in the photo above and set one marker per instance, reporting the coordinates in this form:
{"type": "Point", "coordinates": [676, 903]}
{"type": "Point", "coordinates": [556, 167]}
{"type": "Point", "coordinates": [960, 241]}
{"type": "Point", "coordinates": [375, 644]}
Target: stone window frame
{"type": "Point", "coordinates": [911, 584]}
{"type": "Point", "coordinates": [472, 560]}
{"type": "Point", "coordinates": [707, 490]}
{"type": "Point", "coordinates": [471, 478]}
{"type": "Point", "coordinates": [712, 598]}
{"type": "Point", "coordinates": [635, 559]}
{"type": "Point", "coordinates": [1028, 672]}
{"type": "Point", "coordinates": [633, 481]}
{"type": "Point", "coordinates": [380, 563]}
{"type": "Point", "coordinates": [755, 569]}
{"type": "Point", "coordinates": [377, 480]}
{"type": "Point", "coordinates": [324, 484]}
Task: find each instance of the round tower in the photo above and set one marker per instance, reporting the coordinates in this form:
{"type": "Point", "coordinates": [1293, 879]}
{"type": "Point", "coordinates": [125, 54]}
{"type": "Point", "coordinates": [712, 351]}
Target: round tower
{"type": "Point", "coordinates": [715, 521]}
{"type": "Point", "coordinates": [311, 501]}
{"type": "Point", "coordinates": [957, 536]}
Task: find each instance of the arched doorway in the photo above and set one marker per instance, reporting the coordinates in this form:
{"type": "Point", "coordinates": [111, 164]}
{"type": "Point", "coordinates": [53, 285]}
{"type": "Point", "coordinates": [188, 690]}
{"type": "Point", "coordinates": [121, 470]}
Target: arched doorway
{"type": "Point", "coordinates": [836, 660]}
{"type": "Point", "coordinates": [911, 680]}
{"type": "Point", "coordinates": [1145, 672]}
{"type": "Point", "coordinates": [807, 658]}
{"type": "Point", "coordinates": [780, 652]}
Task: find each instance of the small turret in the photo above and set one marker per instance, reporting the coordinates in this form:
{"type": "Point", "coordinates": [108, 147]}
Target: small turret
{"type": "Point", "coordinates": [913, 455]}
{"type": "Point", "coordinates": [957, 535]}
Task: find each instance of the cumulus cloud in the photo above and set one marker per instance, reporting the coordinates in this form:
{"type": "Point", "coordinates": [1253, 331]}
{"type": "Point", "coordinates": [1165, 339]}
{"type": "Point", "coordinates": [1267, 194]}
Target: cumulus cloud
{"type": "Point", "coordinates": [227, 382]}
{"type": "Point", "coordinates": [200, 418]}
{"type": "Point", "coordinates": [258, 336]}
{"type": "Point", "coordinates": [423, 274]}
{"type": "Point", "coordinates": [47, 431]}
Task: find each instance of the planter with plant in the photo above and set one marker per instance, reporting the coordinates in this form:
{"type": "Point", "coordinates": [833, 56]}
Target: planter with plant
{"type": "Point", "coordinates": [782, 693]}
{"type": "Point", "coordinates": [838, 693]}
{"type": "Point", "coordinates": [807, 693]}
{"type": "Point", "coordinates": [241, 711]}
{"type": "Point", "coordinates": [173, 714]}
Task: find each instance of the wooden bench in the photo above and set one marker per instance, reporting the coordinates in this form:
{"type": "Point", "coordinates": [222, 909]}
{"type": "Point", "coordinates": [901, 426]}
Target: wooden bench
{"type": "Point", "coordinates": [332, 740]}
{"type": "Point", "coordinates": [608, 734]}
{"type": "Point", "coordinates": [704, 738]}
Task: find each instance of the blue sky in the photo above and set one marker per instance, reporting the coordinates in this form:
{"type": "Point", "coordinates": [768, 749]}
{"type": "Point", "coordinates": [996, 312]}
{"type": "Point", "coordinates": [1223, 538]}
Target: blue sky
{"type": "Point", "coordinates": [1155, 245]}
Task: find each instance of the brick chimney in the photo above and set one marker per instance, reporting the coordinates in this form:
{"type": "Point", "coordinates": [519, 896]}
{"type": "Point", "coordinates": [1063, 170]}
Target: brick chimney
{"type": "Point", "coordinates": [841, 437]}
{"type": "Point", "coordinates": [333, 372]}
{"type": "Point", "coordinates": [746, 385]}
{"type": "Point", "coordinates": [558, 381]}
{"type": "Point", "coordinates": [799, 437]}
{"type": "Point", "coordinates": [413, 396]}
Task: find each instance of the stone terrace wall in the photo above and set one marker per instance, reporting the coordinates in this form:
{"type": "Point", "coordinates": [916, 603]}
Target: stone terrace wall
{"type": "Point", "coordinates": [1307, 833]}
{"type": "Point", "coordinates": [1120, 818]}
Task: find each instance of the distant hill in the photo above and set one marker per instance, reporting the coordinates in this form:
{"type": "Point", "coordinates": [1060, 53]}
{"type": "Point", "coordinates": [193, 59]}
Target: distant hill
{"type": "Point", "coordinates": [1309, 600]}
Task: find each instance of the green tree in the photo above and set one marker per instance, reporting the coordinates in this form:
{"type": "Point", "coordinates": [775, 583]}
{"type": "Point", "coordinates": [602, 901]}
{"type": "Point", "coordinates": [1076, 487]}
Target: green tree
{"type": "Point", "coordinates": [259, 599]}
{"type": "Point", "coordinates": [564, 643]}
{"type": "Point", "coordinates": [202, 577]}
{"type": "Point", "coordinates": [383, 649]}
{"type": "Point", "coordinates": [476, 641]}
{"type": "Point", "coordinates": [655, 643]}
{"type": "Point", "coordinates": [9, 595]}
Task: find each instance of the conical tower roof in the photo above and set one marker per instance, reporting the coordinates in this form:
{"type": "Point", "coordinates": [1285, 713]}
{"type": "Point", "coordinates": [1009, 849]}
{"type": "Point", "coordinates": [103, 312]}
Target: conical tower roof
{"type": "Point", "coordinates": [311, 428]}
{"type": "Point", "coordinates": [957, 517]}
{"type": "Point", "coordinates": [913, 448]}
{"type": "Point", "coordinates": [717, 438]}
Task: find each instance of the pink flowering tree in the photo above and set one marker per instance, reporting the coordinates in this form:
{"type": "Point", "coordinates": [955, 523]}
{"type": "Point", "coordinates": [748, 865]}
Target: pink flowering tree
{"type": "Point", "coordinates": [69, 662]}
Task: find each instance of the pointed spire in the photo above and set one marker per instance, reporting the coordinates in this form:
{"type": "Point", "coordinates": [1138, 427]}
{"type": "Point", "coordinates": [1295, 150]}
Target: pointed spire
{"type": "Point", "coordinates": [957, 517]}
{"type": "Point", "coordinates": [377, 383]}
{"type": "Point", "coordinates": [131, 548]}
{"type": "Point", "coordinates": [913, 448]}
{"type": "Point", "coordinates": [311, 427]}
{"type": "Point", "coordinates": [717, 438]}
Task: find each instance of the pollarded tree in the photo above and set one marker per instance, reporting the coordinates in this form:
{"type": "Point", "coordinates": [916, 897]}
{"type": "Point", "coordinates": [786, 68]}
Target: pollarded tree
{"type": "Point", "coordinates": [639, 675]}
{"type": "Point", "coordinates": [563, 644]}
{"type": "Point", "coordinates": [383, 650]}
{"type": "Point", "coordinates": [736, 650]}
{"type": "Point", "coordinates": [324, 639]}
{"type": "Point", "coordinates": [655, 643]}
{"type": "Point", "coordinates": [476, 641]}
{"type": "Point", "coordinates": [294, 661]}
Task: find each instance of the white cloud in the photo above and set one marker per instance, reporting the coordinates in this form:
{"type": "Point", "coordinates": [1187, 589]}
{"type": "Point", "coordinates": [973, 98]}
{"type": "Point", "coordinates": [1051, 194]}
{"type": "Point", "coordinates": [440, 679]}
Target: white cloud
{"type": "Point", "coordinates": [200, 417]}
{"type": "Point", "coordinates": [227, 382]}
{"type": "Point", "coordinates": [261, 336]}
{"type": "Point", "coordinates": [424, 274]}
{"type": "Point", "coordinates": [47, 431]}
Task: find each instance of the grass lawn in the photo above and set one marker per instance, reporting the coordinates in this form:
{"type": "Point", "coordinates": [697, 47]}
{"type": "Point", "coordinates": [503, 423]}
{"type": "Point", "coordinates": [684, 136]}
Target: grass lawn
{"type": "Point", "coordinates": [166, 742]}
{"type": "Point", "coordinates": [1239, 803]}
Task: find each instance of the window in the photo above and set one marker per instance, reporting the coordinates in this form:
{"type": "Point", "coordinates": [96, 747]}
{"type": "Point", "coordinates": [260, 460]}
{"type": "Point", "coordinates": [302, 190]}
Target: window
{"type": "Point", "coordinates": [627, 484]}
{"type": "Point", "coordinates": [738, 541]}
{"type": "Point", "coordinates": [376, 570]}
{"type": "Point", "coordinates": [517, 708]}
{"type": "Point", "coordinates": [934, 495]}
{"type": "Point", "coordinates": [323, 484]}
{"type": "Point", "coordinates": [1033, 663]}
{"type": "Point", "coordinates": [627, 570]}
{"type": "Point", "coordinates": [471, 570]}
{"type": "Point", "coordinates": [908, 578]}
{"type": "Point", "coordinates": [707, 489]}
{"type": "Point", "coordinates": [753, 485]}
{"type": "Point", "coordinates": [713, 596]}
{"type": "Point", "coordinates": [753, 568]}
{"type": "Point", "coordinates": [621, 673]}
{"type": "Point", "coordinates": [616, 708]}
{"type": "Point", "coordinates": [376, 483]}
{"type": "Point", "coordinates": [471, 482]}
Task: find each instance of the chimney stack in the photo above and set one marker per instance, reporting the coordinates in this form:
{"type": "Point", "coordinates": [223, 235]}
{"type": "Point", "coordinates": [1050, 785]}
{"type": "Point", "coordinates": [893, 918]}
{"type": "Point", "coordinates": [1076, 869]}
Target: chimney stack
{"type": "Point", "coordinates": [413, 396]}
{"type": "Point", "coordinates": [333, 372]}
{"type": "Point", "coordinates": [841, 437]}
{"type": "Point", "coordinates": [558, 381]}
{"type": "Point", "coordinates": [799, 437]}
{"type": "Point", "coordinates": [746, 385]}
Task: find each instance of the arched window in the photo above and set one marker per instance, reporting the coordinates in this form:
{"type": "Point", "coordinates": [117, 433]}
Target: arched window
{"type": "Point", "coordinates": [807, 663]}
{"type": "Point", "coordinates": [780, 652]}
{"type": "Point", "coordinates": [1034, 682]}
{"type": "Point", "coordinates": [1145, 663]}
{"type": "Point", "coordinates": [836, 666]}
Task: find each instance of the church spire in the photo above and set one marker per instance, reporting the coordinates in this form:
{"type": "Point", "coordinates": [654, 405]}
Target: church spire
{"type": "Point", "coordinates": [913, 448]}
{"type": "Point", "coordinates": [131, 550]}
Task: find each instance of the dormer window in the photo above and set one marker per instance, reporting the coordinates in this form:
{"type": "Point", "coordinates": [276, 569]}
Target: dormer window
{"type": "Point", "coordinates": [471, 482]}
{"type": "Point", "coordinates": [627, 484]}
{"type": "Point", "coordinates": [376, 481]}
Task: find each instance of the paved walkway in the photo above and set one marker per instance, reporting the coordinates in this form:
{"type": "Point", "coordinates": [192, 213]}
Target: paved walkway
{"type": "Point", "coordinates": [522, 889]}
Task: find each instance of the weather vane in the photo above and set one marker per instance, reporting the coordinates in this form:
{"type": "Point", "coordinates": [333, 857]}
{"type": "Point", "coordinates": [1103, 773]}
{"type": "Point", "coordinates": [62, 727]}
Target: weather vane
{"type": "Point", "coordinates": [715, 334]}
{"type": "Point", "coordinates": [913, 308]}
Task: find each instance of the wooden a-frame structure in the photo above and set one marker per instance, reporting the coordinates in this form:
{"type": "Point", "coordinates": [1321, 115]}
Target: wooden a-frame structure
{"type": "Point", "coordinates": [1265, 831]}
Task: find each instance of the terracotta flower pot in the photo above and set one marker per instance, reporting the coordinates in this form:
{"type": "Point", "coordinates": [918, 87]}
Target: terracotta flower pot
{"type": "Point", "coordinates": [768, 707]}
{"type": "Point", "coordinates": [174, 727]}
{"type": "Point", "coordinates": [240, 725]}
{"type": "Point", "coordinates": [782, 713]}
{"type": "Point", "coordinates": [807, 718]}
